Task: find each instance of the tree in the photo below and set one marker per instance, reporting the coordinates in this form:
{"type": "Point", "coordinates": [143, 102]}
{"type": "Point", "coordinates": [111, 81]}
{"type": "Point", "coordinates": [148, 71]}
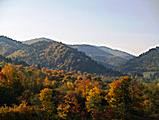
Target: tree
{"type": "Point", "coordinates": [119, 97]}
{"type": "Point", "coordinates": [70, 107]}
{"type": "Point", "coordinates": [8, 71]}
{"type": "Point", "coordinates": [46, 98]}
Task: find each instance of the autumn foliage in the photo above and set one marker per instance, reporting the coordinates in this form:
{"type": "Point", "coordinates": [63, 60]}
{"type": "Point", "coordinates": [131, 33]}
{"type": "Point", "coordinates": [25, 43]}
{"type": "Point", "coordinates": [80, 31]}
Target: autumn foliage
{"type": "Point", "coordinates": [43, 94]}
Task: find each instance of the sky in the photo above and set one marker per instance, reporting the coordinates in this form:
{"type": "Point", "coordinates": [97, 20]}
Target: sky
{"type": "Point", "coordinates": [128, 25]}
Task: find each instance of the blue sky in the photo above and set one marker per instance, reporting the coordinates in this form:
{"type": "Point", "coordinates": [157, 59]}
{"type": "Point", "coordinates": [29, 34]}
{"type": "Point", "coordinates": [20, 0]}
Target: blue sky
{"type": "Point", "coordinates": [129, 25]}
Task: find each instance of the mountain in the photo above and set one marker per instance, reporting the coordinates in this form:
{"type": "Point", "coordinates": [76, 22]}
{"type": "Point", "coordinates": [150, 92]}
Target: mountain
{"type": "Point", "coordinates": [117, 53]}
{"type": "Point", "coordinates": [148, 61]}
{"type": "Point", "coordinates": [8, 45]}
{"type": "Point", "coordinates": [104, 55]}
{"type": "Point", "coordinates": [29, 42]}
{"type": "Point", "coordinates": [51, 54]}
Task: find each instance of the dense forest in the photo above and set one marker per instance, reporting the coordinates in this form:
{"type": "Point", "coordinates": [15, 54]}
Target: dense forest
{"type": "Point", "coordinates": [31, 93]}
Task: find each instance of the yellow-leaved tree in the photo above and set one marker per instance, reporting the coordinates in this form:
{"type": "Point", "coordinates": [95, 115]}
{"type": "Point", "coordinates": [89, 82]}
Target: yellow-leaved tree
{"type": "Point", "coordinates": [47, 102]}
{"type": "Point", "coordinates": [119, 97]}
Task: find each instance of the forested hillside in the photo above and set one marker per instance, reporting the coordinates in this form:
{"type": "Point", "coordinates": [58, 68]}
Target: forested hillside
{"type": "Point", "coordinates": [41, 94]}
{"type": "Point", "coordinates": [79, 60]}
{"type": "Point", "coordinates": [146, 64]}
{"type": "Point", "coordinates": [43, 79]}
{"type": "Point", "coordinates": [44, 52]}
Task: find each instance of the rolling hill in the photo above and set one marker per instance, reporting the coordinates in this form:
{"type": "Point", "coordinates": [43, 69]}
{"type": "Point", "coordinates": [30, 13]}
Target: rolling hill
{"type": "Point", "coordinates": [44, 52]}
{"type": "Point", "coordinates": [104, 55]}
{"type": "Point", "coordinates": [8, 46]}
{"type": "Point", "coordinates": [146, 62]}
{"type": "Point", "coordinates": [32, 41]}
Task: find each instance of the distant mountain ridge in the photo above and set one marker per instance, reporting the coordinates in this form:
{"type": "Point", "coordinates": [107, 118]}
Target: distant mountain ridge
{"type": "Point", "coordinates": [51, 54]}
{"type": "Point", "coordinates": [117, 53]}
{"type": "Point", "coordinates": [104, 55]}
{"type": "Point", "coordinates": [48, 53]}
{"type": "Point", "coordinates": [32, 41]}
{"type": "Point", "coordinates": [8, 45]}
{"type": "Point", "coordinates": [148, 61]}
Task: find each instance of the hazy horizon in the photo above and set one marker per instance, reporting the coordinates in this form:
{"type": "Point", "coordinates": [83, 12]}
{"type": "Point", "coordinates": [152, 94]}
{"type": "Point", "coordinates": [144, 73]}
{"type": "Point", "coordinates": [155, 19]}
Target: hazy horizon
{"type": "Point", "coordinates": [132, 27]}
